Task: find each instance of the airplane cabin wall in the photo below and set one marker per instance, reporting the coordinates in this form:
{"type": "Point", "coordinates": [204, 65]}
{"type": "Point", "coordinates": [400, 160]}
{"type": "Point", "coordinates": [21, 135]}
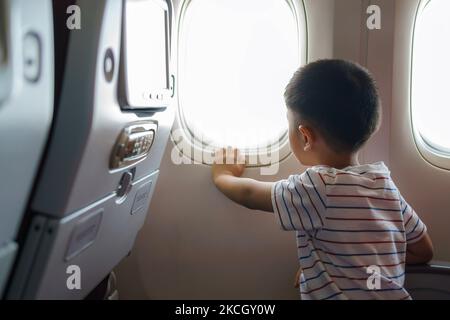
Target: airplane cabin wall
{"type": "Point", "coordinates": [372, 49]}
{"type": "Point", "coordinates": [425, 186]}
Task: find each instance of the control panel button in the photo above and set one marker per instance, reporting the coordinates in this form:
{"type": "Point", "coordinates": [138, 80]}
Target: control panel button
{"type": "Point", "coordinates": [133, 144]}
{"type": "Point", "coordinates": [108, 65]}
{"type": "Point", "coordinates": [32, 57]}
{"type": "Point", "coordinates": [124, 185]}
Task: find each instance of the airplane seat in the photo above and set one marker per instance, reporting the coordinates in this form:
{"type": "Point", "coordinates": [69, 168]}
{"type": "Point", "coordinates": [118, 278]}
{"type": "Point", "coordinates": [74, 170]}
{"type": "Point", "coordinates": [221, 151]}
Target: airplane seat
{"type": "Point", "coordinates": [101, 163]}
{"type": "Point", "coordinates": [429, 282]}
{"type": "Point", "coordinates": [26, 109]}
{"type": "Point", "coordinates": [61, 43]}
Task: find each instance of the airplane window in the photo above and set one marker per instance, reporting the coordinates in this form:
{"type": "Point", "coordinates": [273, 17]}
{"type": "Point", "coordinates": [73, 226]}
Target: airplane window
{"type": "Point", "coordinates": [235, 59]}
{"type": "Point", "coordinates": [430, 82]}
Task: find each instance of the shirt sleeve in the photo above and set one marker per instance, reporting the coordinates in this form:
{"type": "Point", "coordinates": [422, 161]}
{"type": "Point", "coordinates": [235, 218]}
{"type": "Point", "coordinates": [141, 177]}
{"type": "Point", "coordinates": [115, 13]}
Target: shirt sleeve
{"type": "Point", "coordinates": [415, 229]}
{"type": "Point", "coordinates": [299, 202]}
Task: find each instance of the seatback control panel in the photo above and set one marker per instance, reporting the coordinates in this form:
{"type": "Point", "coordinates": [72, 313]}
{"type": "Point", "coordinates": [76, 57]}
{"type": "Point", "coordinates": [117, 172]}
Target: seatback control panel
{"type": "Point", "coordinates": [133, 144]}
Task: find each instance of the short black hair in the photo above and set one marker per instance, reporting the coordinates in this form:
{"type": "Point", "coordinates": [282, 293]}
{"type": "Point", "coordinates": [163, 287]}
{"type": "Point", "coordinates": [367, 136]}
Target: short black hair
{"type": "Point", "coordinates": [339, 98]}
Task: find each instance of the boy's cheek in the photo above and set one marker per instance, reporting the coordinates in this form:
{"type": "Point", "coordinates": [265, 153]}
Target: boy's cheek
{"type": "Point", "coordinates": [300, 157]}
{"type": "Point", "coordinates": [297, 151]}
{"type": "Point", "coordinates": [295, 143]}
{"type": "Point", "coordinates": [297, 146]}
{"type": "Point", "coordinates": [305, 160]}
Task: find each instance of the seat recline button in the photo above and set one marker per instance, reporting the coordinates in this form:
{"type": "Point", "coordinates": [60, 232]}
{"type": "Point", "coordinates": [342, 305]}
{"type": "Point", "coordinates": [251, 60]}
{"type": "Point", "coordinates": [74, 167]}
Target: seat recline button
{"type": "Point", "coordinates": [32, 57]}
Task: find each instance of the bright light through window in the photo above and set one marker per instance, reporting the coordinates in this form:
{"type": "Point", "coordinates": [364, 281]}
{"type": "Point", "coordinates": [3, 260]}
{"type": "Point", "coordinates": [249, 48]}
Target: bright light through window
{"type": "Point", "coordinates": [431, 69]}
{"type": "Point", "coordinates": [235, 59]}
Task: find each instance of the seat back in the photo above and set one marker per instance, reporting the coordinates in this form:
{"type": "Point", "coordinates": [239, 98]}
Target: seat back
{"type": "Point", "coordinates": [88, 205]}
{"type": "Point", "coordinates": [26, 108]}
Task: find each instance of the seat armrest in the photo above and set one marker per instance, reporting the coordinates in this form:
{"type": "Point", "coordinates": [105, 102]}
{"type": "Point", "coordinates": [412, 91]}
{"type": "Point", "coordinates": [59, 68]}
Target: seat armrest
{"type": "Point", "coordinates": [434, 266]}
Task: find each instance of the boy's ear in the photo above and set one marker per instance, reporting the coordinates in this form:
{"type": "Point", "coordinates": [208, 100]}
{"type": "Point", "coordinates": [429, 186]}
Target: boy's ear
{"type": "Point", "coordinates": [307, 137]}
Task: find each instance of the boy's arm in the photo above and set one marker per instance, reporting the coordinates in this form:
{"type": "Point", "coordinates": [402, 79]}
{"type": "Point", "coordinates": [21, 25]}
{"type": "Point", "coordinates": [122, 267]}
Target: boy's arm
{"type": "Point", "coordinates": [419, 252]}
{"type": "Point", "coordinates": [247, 192]}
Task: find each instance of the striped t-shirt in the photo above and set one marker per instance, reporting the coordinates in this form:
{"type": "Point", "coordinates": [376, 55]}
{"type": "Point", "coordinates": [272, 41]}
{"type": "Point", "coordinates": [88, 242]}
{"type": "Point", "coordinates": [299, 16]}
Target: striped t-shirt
{"type": "Point", "coordinates": [352, 229]}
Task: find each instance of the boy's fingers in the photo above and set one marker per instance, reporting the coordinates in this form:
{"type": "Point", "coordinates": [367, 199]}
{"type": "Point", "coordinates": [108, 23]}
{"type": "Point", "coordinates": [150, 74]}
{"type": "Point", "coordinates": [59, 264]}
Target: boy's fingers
{"type": "Point", "coordinates": [231, 155]}
{"type": "Point", "coordinates": [240, 159]}
{"type": "Point", "coordinates": [228, 155]}
{"type": "Point", "coordinates": [237, 153]}
{"type": "Point", "coordinates": [219, 156]}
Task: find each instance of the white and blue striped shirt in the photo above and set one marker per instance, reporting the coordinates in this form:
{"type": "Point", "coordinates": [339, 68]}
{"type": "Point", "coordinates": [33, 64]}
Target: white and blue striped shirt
{"type": "Point", "coordinates": [352, 230]}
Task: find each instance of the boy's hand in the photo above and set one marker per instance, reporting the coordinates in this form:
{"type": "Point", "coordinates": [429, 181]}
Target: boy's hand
{"type": "Point", "coordinates": [226, 173]}
{"type": "Point", "coordinates": [228, 161]}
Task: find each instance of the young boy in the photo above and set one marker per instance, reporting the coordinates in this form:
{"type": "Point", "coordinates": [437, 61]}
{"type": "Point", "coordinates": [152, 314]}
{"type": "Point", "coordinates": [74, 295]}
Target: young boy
{"type": "Point", "coordinates": [355, 231]}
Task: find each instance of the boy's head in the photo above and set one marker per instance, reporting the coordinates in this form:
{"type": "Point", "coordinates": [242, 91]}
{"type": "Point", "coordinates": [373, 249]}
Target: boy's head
{"type": "Point", "coordinates": [333, 109]}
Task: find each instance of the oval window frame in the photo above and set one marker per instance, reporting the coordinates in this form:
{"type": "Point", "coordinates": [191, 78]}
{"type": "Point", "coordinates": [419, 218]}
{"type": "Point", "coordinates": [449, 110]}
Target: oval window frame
{"type": "Point", "coordinates": [429, 152]}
